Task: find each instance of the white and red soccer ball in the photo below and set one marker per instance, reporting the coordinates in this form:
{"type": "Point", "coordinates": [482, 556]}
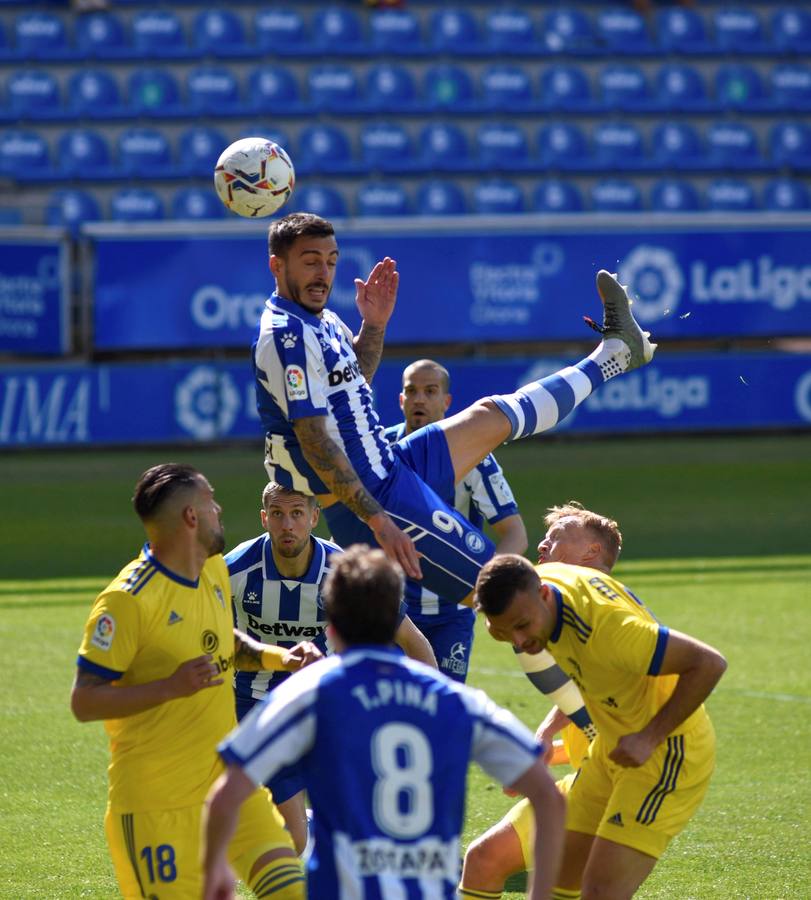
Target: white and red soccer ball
{"type": "Point", "coordinates": [254, 177]}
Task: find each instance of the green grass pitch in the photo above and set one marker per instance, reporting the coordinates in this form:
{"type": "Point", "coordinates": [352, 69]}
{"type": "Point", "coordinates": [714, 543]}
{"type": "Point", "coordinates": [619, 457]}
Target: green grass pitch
{"type": "Point", "coordinates": [717, 543]}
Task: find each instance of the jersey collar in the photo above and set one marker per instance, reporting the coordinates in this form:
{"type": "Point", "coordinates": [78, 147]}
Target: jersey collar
{"type": "Point", "coordinates": [271, 573]}
{"type": "Point", "coordinates": [172, 576]}
{"type": "Point", "coordinates": [290, 306]}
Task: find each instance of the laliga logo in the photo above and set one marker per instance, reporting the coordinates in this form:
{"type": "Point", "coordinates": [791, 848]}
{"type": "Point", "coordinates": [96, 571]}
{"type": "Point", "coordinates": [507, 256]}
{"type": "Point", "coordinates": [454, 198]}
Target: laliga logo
{"type": "Point", "coordinates": [206, 403]}
{"type": "Point", "coordinates": [360, 262]}
{"type": "Point", "coordinates": [654, 280]}
{"type": "Point", "coordinates": [295, 377]}
{"type": "Point", "coordinates": [802, 397]}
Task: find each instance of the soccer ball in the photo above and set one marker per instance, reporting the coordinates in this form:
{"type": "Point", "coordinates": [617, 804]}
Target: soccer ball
{"type": "Point", "coordinates": [254, 177]}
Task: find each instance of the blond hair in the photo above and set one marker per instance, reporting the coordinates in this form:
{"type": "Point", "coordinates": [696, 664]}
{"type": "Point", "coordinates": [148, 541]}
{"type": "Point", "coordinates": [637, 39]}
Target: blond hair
{"type": "Point", "coordinates": [604, 529]}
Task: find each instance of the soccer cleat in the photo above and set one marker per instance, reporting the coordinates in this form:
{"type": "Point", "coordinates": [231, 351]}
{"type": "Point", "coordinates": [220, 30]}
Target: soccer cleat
{"type": "Point", "coordinates": [619, 323]}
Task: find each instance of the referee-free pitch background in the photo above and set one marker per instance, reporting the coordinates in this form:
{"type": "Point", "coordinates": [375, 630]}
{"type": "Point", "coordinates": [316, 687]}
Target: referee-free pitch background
{"type": "Point", "coordinates": [717, 535]}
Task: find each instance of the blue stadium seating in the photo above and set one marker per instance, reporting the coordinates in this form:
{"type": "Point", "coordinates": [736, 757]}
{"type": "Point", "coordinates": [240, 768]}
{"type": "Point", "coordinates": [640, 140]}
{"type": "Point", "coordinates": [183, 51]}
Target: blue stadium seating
{"type": "Point", "coordinates": [196, 203]}
{"type": "Point", "coordinates": [619, 145]}
{"type": "Point", "coordinates": [623, 31]}
{"type": "Point", "coordinates": [507, 88]}
{"type": "Point", "coordinates": [625, 87]}
{"type": "Point", "coordinates": [791, 87]}
{"type": "Point", "coordinates": [85, 154]}
{"type": "Point", "coordinates": [740, 86]}
{"type": "Point", "coordinates": [24, 155]}
{"type": "Point", "coordinates": [568, 31]}
{"type": "Point", "coordinates": [214, 90]}
{"type": "Point", "coordinates": [674, 195]}
{"type": "Point", "coordinates": [681, 30]}
{"type": "Point", "coordinates": [733, 145]}
{"type": "Point", "coordinates": [502, 146]}
{"type": "Point", "coordinates": [34, 94]}
{"type": "Point", "coordinates": [41, 35]}
{"type": "Point", "coordinates": [731, 195]}
{"type": "Point", "coordinates": [396, 31]}
{"type": "Point", "coordinates": [444, 147]}
{"type": "Point", "coordinates": [136, 205]}
{"type": "Point", "coordinates": [274, 90]}
{"type": "Point", "coordinates": [455, 31]}
{"type": "Point", "coordinates": [325, 149]}
{"type": "Point", "coordinates": [269, 133]}
{"type": "Point", "coordinates": [440, 198]}
{"type": "Point", "coordinates": [681, 88]}
{"type": "Point", "coordinates": [790, 144]}
{"type": "Point", "coordinates": [382, 198]}
{"type": "Point", "coordinates": [677, 145]}
{"type": "Point", "coordinates": [556, 196]}
{"type": "Point", "coordinates": [220, 32]}
{"type": "Point", "coordinates": [199, 149]}
{"type": "Point", "coordinates": [791, 30]}
{"type": "Point", "coordinates": [510, 30]}
{"type": "Point", "coordinates": [335, 88]}
{"type": "Point", "coordinates": [282, 31]}
{"type": "Point", "coordinates": [69, 208]}
{"type": "Point", "coordinates": [567, 88]}
{"type": "Point", "coordinates": [616, 195]}
{"type": "Point", "coordinates": [95, 93]}
{"type": "Point", "coordinates": [102, 35]}
{"type": "Point", "coordinates": [786, 194]}
{"type": "Point", "coordinates": [449, 88]}
{"type": "Point", "coordinates": [320, 199]}
{"type": "Point", "coordinates": [339, 32]}
{"type": "Point", "coordinates": [145, 152]}
{"type": "Point", "coordinates": [159, 34]}
{"type": "Point", "coordinates": [390, 88]}
{"type": "Point", "coordinates": [563, 145]}
{"type": "Point", "coordinates": [154, 92]}
{"type": "Point", "coordinates": [738, 29]}
{"type": "Point", "coordinates": [388, 147]}
{"type": "Point", "coordinates": [497, 196]}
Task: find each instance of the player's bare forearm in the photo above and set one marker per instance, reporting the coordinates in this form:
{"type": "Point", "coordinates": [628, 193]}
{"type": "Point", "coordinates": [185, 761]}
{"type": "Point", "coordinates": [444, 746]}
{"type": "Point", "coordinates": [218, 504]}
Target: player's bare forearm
{"type": "Point", "coordinates": [251, 655]}
{"type": "Point", "coordinates": [549, 808]}
{"type": "Point", "coordinates": [369, 348]}
{"type": "Point", "coordinates": [414, 643]}
{"type": "Point", "coordinates": [511, 535]}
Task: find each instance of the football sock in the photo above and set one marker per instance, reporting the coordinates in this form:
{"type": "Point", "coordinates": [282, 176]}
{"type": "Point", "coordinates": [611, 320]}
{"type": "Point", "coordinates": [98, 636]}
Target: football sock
{"type": "Point", "coordinates": [477, 894]}
{"type": "Point", "coordinates": [547, 676]}
{"type": "Point", "coordinates": [539, 406]}
{"type": "Point", "coordinates": [281, 878]}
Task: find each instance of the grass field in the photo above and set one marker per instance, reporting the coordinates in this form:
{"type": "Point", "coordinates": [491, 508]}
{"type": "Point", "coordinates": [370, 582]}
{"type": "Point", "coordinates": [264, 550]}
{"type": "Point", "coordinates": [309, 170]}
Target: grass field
{"type": "Point", "coordinates": [717, 543]}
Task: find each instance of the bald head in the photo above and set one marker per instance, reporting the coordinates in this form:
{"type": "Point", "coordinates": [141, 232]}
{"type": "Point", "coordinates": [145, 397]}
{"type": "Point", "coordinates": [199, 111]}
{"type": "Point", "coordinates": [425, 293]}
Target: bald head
{"type": "Point", "coordinates": [425, 397]}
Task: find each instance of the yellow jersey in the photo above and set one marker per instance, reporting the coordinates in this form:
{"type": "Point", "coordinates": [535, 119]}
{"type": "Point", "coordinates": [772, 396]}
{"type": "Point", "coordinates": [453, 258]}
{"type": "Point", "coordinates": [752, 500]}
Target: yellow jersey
{"type": "Point", "coordinates": [143, 625]}
{"type": "Point", "coordinates": [611, 646]}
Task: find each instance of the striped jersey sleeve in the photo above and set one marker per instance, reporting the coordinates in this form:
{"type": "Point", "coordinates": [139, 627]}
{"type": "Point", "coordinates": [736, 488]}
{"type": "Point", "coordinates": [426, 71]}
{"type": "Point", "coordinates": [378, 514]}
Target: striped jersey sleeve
{"type": "Point", "coordinates": [485, 494]}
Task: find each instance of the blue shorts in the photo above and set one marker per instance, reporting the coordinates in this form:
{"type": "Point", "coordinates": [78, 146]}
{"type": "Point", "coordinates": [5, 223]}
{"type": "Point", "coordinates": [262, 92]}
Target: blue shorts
{"type": "Point", "coordinates": [286, 782]}
{"type": "Point", "coordinates": [453, 551]}
{"type": "Point", "coordinates": [450, 635]}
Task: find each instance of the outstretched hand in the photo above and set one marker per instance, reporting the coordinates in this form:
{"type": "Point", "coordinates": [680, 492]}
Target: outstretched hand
{"type": "Point", "coordinates": [396, 544]}
{"type": "Point", "coordinates": [375, 297]}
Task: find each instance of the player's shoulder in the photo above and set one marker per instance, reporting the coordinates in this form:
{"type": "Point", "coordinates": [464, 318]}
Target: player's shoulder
{"type": "Point", "coordinates": [245, 555]}
{"type": "Point", "coordinates": [327, 547]}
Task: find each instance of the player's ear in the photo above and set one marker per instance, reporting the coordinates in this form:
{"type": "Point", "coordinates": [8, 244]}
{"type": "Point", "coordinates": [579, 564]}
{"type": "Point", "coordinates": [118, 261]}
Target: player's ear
{"type": "Point", "coordinates": [402, 400]}
{"type": "Point", "coordinates": [189, 516]}
{"type": "Point", "coordinates": [264, 517]}
{"type": "Point", "coordinates": [275, 264]}
{"type": "Point", "coordinates": [448, 398]}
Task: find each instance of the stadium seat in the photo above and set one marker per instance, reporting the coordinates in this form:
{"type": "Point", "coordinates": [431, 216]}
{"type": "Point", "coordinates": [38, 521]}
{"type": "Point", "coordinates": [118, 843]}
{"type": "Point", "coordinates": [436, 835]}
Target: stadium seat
{"type": "Point", "coordinates": [390, 88]}
{"type": "Point", "coordinates": [786, 194]}
{"type": "Point", "coordinates": [618, 145]}
{"type": "Point", "coordinates": [790, 144]}
{"type": "Point", "coordinates": [136, 205]}
{"type": "Point", "coordinates": [145, 153]}
{"type": "Point", "coordinates": [101, 35]}
{"type": "Point", "coordinates": [339, 32]}
{"type": "Point", "coordinates": [34, 94]}
{"type": "Point", "coordinates": [388, 147]}
{"type": "Point", "coordinates": [556, 196]}
{"type": "Point", "coordinates": [449, 88]}
{"type": "Point", "coordinates": [220, 32]}
{"type": "Point", "coordinates": [682, 30]}
{"type": "Point", "coordinates": [510, 30]}
{"type": "Point", "coordinates": [568, 31]}
{"type": "Point", "coordinates": [85, 154]}
{"type": "Point", "coordinates": [506, 88]}
{"type": "Point", "coordinates": [95, 93]}
{"type": "Point", "coordinates": [496, 196]}
{"type": "Point", "coordinates": [456, 31]}
{"type": "Point", "coordinates": [397, 32]}
{"type": "Point", "coordinates": [320, 199]}
{"type": "Point", "coordinates": [24, 155]}
{"type": "Point", "coordinates": [41, 35]}
{"type": "Point", "coordinates": [674, 195]}
{"type": "Point", "coordinates": [335, 88]}
{"type": "Point", "coordinates": [733, 145]}
{"type": "Point", "coordinates": [502, 146]}
{"type": "Point", "coordinates": [677, 145]}
{"type": "Point", "coordinates": [681, 87]}
{"type": "Point", "coordinates": [269, 132]}
{"type": "Point", "coordinates": [272, 89]}
{"type": "Point", "coordinates": [625, 87]}
{"type": "Point", "coordinates": [567, 88]}
{"type": "Point", "coordinates": [623, 31]}
{"type": "Point", "coordinates": [562, 145]}
{"type": "Point", "coordinates": [159, 33]}
{"type": "Point", "coordinates": [445, 148]}
{"type": "Point", "coordinates": [326, 149]}
{"type": "Point", "coordinates": [730, 195]}
{"type": "Point", "coordinates": [739, 86]}
{"type": "Point", "coordinates": [154, 92]}
{"type": "Point", "coordinates": [440, 198]}
{"type": "Point", "coordinates": [196, 203]}
{"type": "Point", "coordinates": [382, 198]}
{"type": "Point", "coordinates": [615, 195]}
{"type": "Point", "coordinates": [791, 87]}
{"type": "Point", "coordinates": [791, 30]}
{"type": "Point", "coordinates": [214, 90]}
{"type": "Point", "coordinates": [199, 148]}
{"type": "Point", "coordinates": [282, 31]}
{"type": "Point", "coordinates": [738, 29]}
{"type": "Point", "coordinates": [69, 208]}
{"type": "Point", "coordinates": [7, 52]}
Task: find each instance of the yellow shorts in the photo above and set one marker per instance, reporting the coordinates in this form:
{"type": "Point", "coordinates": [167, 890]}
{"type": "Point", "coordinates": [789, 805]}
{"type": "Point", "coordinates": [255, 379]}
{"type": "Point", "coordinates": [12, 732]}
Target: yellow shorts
{"type": "Point", "coordinates": [157, 854]}
{"type": "Point", "coordinates": [522, 819]}
{"type": "Point", "coordinates": [645, 807]}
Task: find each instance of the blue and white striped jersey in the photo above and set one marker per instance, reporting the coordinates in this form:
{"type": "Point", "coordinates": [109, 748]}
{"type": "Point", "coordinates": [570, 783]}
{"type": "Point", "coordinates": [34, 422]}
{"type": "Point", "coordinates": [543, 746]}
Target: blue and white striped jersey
{"type": "Point", "coordinates": [273, 609]}
{"type": "Point", "coordinates": [305, 365]}
{"type": "Point", "coordinates": [369, 732]}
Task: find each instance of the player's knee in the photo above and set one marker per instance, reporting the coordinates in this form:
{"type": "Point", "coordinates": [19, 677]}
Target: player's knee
{"type": "Point", "coordinates": [278, 874]}
{"type": "Point", "coordinates": [483, 863]}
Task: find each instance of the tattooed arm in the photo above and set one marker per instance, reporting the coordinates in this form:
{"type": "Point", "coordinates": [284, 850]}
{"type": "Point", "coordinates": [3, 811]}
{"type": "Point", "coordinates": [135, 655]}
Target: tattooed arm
{"type": "Point", "coordinates": [369, 348]}
{"type": "Point", "coordinates": [94, 697]}
{"type": "Point", "coordinates": [253, 656]}
{"type": "Point", "coordinates": [336, 471]}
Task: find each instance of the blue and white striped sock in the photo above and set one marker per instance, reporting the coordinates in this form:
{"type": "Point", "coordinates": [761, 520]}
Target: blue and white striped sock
{"type": "Point", "coordinates": [539, 406]}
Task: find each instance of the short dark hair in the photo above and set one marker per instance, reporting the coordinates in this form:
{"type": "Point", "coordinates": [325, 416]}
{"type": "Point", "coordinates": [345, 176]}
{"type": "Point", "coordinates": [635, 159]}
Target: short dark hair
{"type": "Point", "coordinates": [362, 593]}
{"type": "Point", "coordinates": [283, 233]}
{"type": "Point", "coordinates": [274, 489]}
{"type": "Point", "coordinates": [500, 580]}
{"type": "Point", "coordinates": [444, 374]}
{"type": "Point", "coordinates": [158, 484]}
